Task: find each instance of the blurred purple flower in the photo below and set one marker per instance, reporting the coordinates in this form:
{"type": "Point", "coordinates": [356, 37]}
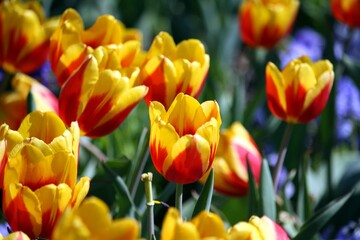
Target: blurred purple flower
{"type": "Point", "coordinates": [45, 75]}
{"type": "Point", "coordinates": [351, 231]}
{"type": "Point", "coordinates": [341, 34]}
{"type": "Point", "coordinates": [305, 41]}
{"type": "Point", "coordinates": [4, 229]}
{"type": "Point", "coordinates": [347, 107]}
{"type": "Point", "coordinates": [289, 188]}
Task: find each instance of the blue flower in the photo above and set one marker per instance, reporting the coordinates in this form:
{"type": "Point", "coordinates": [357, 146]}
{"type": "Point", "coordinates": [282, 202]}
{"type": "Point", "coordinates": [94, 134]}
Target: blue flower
{"type": "Point", "coordinates": [351, 231]}
{"type": "Point", "coordinates": [342, 32]}
{"type": "Point", "coordinates": [305, 41]}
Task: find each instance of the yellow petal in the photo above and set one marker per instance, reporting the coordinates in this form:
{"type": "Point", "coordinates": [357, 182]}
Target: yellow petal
{"type": "Point", "coordinates": [244, 231]}
{"type": "Point", "coordinates": [209, 225]}
{"type": "Point", "coordinates": [16, 236]}
{"type": "Point", "coordinates": [125, 228]}
{"type": "Point", "coordinates": [80, 192]}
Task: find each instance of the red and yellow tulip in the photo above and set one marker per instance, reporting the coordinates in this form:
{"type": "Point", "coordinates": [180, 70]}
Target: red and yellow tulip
{"type": "Point", "coordinates": [40, 174]}
{"type": "Point", "coordinates": [206, 225]}
{"type": "Point", "coordinates": [299, 93]}
{"type": "Point", "coordinates": [257, 229]}
{"type": "Point", "coordinates": [263, 23]}
{"type": "Point", "coordinates": [236, 146]}
{"type": "Point", "coordinates": [170, 69]}
{"type": "Point", "coordinates": [71, 43]}
{"type": "Point", "coordinates": [92, 220]}
{"type": "Point", "coordinates": [24, 36]}
{"type": "Point", "coordinates": [15, 236]}
{"type": "Point", "coordinates": [100, 95]}
{"type": "Point", "coordinates": [184, 139]}
{"type": "Point", "coordinates": [347, 11]}
{"type": "Point", "coordinates": [13, 104]}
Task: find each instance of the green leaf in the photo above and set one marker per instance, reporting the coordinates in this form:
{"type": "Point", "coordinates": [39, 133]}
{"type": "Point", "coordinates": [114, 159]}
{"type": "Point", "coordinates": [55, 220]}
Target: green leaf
{"type": "Point", "coordinates": [30, 103]}
{"type": "Point", "coordinates": [320, 218]}
{"type": "Point", "coordinates": [254, 203]}
{"type": "Point", "coordinates": [204, 201]}
{"type": "Point", "coordinates": [120, 185]}
{"type": "Point", "coordinates": [303, 201]}
{"type": "Point", "coordinates": [267, 195]}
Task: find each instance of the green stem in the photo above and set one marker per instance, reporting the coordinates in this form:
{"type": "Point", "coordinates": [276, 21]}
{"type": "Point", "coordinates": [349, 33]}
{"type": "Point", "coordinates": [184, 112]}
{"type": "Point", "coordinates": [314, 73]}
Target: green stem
{"type": "Point", "coordinates": [178, 198]}
{"type": "Point", "coordinates": [147, 179]}
{"type": "Point", "coordinates": [6, 83]}
{"type": "Point", "coordinates": [281, 156]}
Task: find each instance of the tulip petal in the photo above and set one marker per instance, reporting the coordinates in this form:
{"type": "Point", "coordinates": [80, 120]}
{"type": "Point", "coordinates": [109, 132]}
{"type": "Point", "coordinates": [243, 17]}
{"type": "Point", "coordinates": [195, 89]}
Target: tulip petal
{"type": "Point", "coordinates": [22, 209]}
{"type": "Point", "coordinates": [53, 200]}
{"type": "Point", "coordinates": [126, 228]}
{"type": "Point", "coordinates": [16, 236]}
{"type": "Point", "coordinates": [189, 160]}
{"type": "Point", "coordinates": [209, 225]}
{"type": "Point", "coordinates": [174, 229]}
{"type": "Point", "coordinates": [244, 231]}
{"type": "Point", "coordinates": [80, 191]}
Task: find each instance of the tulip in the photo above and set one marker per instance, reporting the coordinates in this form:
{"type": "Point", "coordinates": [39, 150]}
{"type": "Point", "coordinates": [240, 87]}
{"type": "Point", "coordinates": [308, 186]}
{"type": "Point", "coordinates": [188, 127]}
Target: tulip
{"type": "Point", "coordinates": [15, 236]}
{"type": "Point", "coordinates": [71, 43]}
{"type": "Point", "coordinates": [13, 104]}
{"type": "Point", "coordinates": [92, 220]}
{"type": "Point", "coordinates": [170, 69]}
{"type": "Point", "coordinates": [257, 229]}
{"type": "Point", "coordinates": [264, 23]}
{"type": "Point", "coordinates": [183, 139]}
{"type": "Point", "coordinates": [24, 36]}
{"type": "Point", "coordinates": [99, 96]}
{"type": "Point", "coordinates": [347, 11]}
{"type": "Point", "coordinates": [236, 146]}
{"type": "Point", "coordinates": [206, 225]}
{"type": "Point", "coordinates": [299, 93]}
{"type": "Point", "coordinates": [39, 178]}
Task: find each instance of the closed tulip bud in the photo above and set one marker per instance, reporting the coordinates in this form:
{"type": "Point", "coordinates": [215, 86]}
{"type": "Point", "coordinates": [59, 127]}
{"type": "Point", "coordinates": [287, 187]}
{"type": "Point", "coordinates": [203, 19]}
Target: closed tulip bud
{"type": "Point", "coordinates": [347, 11]}
{"type": "Point", "coordinates": [236, 147]}
{"type": "Point", "coordinates": [170, 69]}
{"type": "Point", "coordinates": [299, 93]}
{"type": "Point", "coordinates": [71, 43]}
{"type": "Point", "coordinates": [264, 23]}
{"type": "Point", "coordinates": [24, 36]}
{"type": "Point", "coordinates": [92, 220]}
{"type": "Point", "coordinates": [184, 139]}
{"type": "Point", "coordinates": [206, 225]}
{"type": "Point", "coordinates": [257, 229]}
{"type": "Point", "coordinates": [13, 104]}
{"type": "Point", "coordinates": [99, 95]}
{"type": "Point", "coordinates": [40, 173]}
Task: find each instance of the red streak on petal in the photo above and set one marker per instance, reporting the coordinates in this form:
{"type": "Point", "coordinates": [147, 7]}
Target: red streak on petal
{"type": "Point", "coordinates": [317, 105]}
{"type": "Point", "coordinates": [17, 215]}
{"type": "Point", "coordinates": [63, 76]}
{"type": "Point", "coordinates": [158, 155]}
{"type": "Point", "coordinates": [294, 100]}
{"type": "Point", "coordinates": [234, 186]}
{"type": "Point", "coordinates": [34, 59]}
{"type": "Point", "coordinates": [48, 223]}
{"type": "Point", "coordinates": [273, 99]}
{"type": "Point", "coordinates": [246, 27]}
{"type": "Point", "coordinates": [157, 86]}
{"type": "Point", "coordinates": [187, 166]}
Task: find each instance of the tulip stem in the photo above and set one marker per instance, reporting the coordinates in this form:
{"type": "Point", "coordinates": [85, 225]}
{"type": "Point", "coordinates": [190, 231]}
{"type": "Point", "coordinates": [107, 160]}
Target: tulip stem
{"type": "Point", "coordinates": [178, 198]}
{"type": "Point", "coordinates": [147, 178]}
{"type": "Point", "coordinates": [281, 155]}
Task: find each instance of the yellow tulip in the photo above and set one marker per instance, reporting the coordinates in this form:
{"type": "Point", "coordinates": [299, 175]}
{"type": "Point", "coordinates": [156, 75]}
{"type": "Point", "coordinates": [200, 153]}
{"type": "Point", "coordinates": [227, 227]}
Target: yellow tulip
{"type": "Point", "coordinates": [299, 93]}
{"type": "Point", "coordinates": [92, 220]}
{"type": "Point", "coordinates": [39, 178]}
{"type": "Point", "coordinates": [236, 146]}
{"type": "Point", "coordinates": [71, 43]}
{"type": "Point", "coordinates": [13, 104]}
{"type": "Point", "coordinates": [206, 225]}
{"type": "Point", "coordinates": [257, 229]}
{"type": "Point", "coordinates": [265, 22]}
{"type": "Point", "coordinates": [170, 69]}
{"type": "Point", "coordinates": [184, 139]}
{"type": "Point", "coordinates": [24, 36]}
{"type": "Point", "coordinates": [100, 95]}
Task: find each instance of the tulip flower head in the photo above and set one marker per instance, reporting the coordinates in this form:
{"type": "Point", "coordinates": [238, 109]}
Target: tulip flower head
{"type": "Point", "coordinates": [24, 36]}
{"type": "Point", "coordinates": [299, 93]}
{"type": "Point", "coordinates": [236, 146]}
{"type": "Point", "coordinates": [71, 43]}
{"type": "Point", "coordinates": [92, 220]}
{"type": "Point", "coordinates": [347, 11]}
{"type": "Point", "coordinates": [170, 69]}
{"type": "Point", "coordinates": [100, 94]}
{"type": "Point", "coordinates": [40, 173]}
{"type": "Point", "coordinates": [263, 23]}
{"type": "Point", "coordinates": [184, 139]}
{"type": "Point", "coordinates": [13, 104]}
{"type": "Point", "coordinates": [257, 229]}
{"type": "Point", "coordinates": [206, 225]}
